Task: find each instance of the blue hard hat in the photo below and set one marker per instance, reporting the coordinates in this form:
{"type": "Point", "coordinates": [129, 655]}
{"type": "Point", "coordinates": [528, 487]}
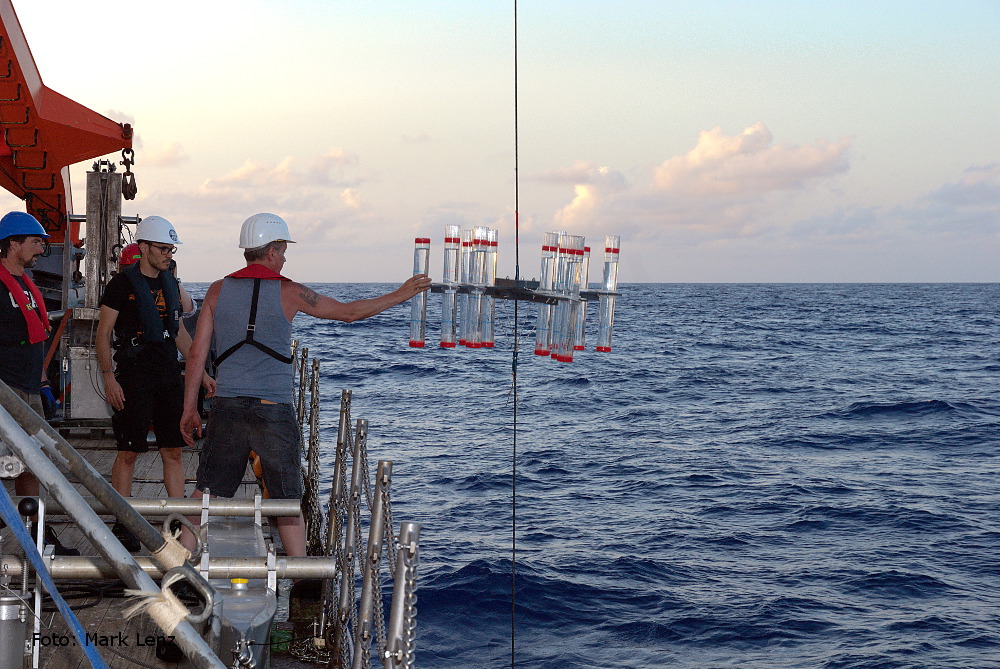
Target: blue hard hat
{"type": "Point", "coordinates": [21, 223]}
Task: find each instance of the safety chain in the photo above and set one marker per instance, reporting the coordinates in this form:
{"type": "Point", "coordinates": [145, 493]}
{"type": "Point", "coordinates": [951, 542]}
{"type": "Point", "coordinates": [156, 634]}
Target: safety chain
{"type": "Point", "coordinates": [315, 524]}
{"type": "Point", "coordinates": [389, 536]}
{"type": "Point", "coordinates": [129, 189]}
{"type": "Point", "coordinates": [366, 484]}
{"type": "Point", "coordinates": [410, 615]}
{"type": "Point", "coordinates": [305, 650]}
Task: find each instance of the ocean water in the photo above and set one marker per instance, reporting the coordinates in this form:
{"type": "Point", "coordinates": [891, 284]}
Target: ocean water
{"type": "Point", "coordinates": [770, 475]}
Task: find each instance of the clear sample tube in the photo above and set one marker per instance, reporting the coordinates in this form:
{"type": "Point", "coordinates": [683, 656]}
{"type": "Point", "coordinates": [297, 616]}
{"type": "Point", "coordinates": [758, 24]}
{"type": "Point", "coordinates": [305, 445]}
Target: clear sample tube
{"type": "Point", "coordinates": [543, 323]}
{"type": "Point", "coordinates": [607, 302]}
{"type": "Point", "coordinates": [418, 303]}
{"type": "Point", "coordinates": [574, 274]}
{"type": "Point", "coordinates": [561, 315]}
{"type": "Point", "coordinates": [487, 315]}
{"type": "Point", "coordinates": [480, 245]}
{"type": "Point", "coordinates": [463, 298]}
{"type": "Point", "coordinates": [449, 299]}
{"type": "Point", "coordinates": [580, 340]}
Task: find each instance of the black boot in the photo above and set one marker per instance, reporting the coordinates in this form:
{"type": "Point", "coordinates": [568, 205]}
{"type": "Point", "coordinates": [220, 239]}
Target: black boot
{"type": "Point", "coordinates": [50, 538]}
{"type": "Point", "coordinates": [124, 535]}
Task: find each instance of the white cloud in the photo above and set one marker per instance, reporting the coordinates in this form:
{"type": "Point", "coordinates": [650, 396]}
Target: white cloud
{"type": "Point", "coordinates": [169, 155]}
{"type": "Point", "coordinates": [749, 164]}
{"type": "Point", "coordinates": [726, 186]}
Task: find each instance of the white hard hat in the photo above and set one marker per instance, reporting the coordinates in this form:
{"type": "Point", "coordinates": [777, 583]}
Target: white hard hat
{"type": "Point", "coordinates": [261, 229]}
{"type": "Point", "coordinates": [156, 229]}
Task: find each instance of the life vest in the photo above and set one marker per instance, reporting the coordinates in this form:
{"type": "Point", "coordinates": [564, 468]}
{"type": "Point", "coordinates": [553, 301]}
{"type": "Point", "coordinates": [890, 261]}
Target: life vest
{"type": "Point", "coordinates": [258, 273]}
{"type": "Point", "coordinates": [149, 315]}
{"type": "Point", "coordinates": [36, 319]}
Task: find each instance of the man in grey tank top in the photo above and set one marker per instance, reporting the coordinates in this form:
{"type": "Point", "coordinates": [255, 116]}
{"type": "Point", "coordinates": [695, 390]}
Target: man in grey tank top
{"type": "Point", "coordinates": [247, 318]}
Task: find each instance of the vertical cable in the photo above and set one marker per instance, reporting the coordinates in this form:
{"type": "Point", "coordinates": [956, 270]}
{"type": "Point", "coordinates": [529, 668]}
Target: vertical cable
{"type": "Point", "coordinates": [517, 345]}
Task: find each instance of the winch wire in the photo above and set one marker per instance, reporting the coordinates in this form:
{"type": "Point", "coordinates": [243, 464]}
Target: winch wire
{"type": "Point", "coordinates": [517, 346]}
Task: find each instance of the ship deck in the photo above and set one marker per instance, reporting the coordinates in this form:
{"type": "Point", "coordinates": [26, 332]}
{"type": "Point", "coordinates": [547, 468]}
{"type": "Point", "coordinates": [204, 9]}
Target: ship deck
{"type": "Point", "coordinates": [100, 604]}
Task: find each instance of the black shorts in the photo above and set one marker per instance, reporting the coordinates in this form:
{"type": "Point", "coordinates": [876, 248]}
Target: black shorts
{"type": "Point", "coordinates": [238, 425]}
{"type": "Point", "coordinates": [149, 400]}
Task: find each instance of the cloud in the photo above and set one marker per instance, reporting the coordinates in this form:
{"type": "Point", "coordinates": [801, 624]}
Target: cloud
{"type": "Point", "coordinates": [321, 198]}
{"type": "Point", "coordinates": [978, 187]}
{"type": "Point", "coordinates": [170, 155]}
{"type": "Point", "coordinates": [967, 207]}
{"type": "Point", "coordinates": [331, 169]}
{"type": "Point", "coordinates": [726, 186]}
{"type": "Point", "coordinates": [748, 164]}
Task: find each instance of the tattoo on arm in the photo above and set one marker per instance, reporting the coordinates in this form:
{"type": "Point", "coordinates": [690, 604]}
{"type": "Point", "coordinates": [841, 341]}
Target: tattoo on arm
{"type": "Point", "coordinates": [310, 296]}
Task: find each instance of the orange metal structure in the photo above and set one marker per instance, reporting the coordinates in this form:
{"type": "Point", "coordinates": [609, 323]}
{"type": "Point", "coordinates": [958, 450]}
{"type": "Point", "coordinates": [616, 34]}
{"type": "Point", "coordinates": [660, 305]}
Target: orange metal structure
{"type": "Point", "coordinates": [44, 133]}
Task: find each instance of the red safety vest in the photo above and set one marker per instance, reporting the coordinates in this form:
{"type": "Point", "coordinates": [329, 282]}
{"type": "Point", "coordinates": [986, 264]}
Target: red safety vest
{"type": "Point", "coordinates": [37, 319]}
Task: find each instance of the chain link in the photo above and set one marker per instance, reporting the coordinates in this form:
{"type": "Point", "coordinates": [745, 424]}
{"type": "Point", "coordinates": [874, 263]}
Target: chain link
{"type": "Point", "coordinates": [411, 616]}
{"type": "Point", "coordinates": [388, 534]}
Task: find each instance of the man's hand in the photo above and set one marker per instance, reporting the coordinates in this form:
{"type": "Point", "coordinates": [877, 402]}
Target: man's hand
{"type": "Point", "coordinates": [190, 425]}
{"type": "Point", "coordinates": [415, 285]}
{"type": "Point", "coordinates": [113, 393]}
{"type": "Point", "coordinates": [209, 384]}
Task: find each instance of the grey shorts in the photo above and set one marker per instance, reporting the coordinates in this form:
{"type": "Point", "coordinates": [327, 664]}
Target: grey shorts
{"type": "Point", "coordinates": [238, 425]}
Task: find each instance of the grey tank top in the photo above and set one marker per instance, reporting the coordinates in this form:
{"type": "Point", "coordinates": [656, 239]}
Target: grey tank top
{"type": "Point", "coordinates": [249, 372]}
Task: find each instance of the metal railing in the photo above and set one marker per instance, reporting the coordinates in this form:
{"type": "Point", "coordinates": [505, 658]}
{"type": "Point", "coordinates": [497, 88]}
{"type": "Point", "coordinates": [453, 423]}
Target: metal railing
{"type": "Point", "coordinates": [350, 621]}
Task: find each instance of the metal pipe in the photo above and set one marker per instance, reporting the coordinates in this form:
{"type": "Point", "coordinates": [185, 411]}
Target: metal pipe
{"type": "Point", "coordinates": [16, 434]}
{"type": "Point", "coordinates": [190, 506]}
{"type": "Point", "coordinates": [373, 556]}
{"type": "Point", "coordinates": [44, 434]}
{"type": "Point", "coordinates": [402, 611]}
{"type": "Point", "coordinates": [95, 568]}
{"type": "Point", "coordinates": [334, 518]}
{"type": "Point", "coordinates": [350, 535]}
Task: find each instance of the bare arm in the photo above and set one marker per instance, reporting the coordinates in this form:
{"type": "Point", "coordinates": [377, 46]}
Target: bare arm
{"type": "Point", "coordinates": [296, 297]}
{"type": "Point", "coordinates": [105, 327]}
{"type": "Point", "coordinates": [187, 303]}
{"type": "Point", "coordinates": [194, 370]}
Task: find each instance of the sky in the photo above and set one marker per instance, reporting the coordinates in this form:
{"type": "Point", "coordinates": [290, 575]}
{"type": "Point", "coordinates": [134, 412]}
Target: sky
{"type": "Point", "coordinates": [750, 141]}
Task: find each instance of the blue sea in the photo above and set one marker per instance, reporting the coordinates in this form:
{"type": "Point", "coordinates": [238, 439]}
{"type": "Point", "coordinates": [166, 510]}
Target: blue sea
{"type": "Point", "coordinates": [772, 475]}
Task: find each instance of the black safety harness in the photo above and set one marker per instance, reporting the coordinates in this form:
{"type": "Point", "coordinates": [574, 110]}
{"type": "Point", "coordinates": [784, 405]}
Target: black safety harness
{"type": "Point", "coordinates": [251, 328]}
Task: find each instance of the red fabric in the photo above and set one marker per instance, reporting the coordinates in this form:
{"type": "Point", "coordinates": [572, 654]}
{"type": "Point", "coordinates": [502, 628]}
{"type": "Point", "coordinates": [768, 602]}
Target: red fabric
{"type": "Point", "coordinates": [38, 325]}
{"type": "Point", "coordinates": [257, 271]}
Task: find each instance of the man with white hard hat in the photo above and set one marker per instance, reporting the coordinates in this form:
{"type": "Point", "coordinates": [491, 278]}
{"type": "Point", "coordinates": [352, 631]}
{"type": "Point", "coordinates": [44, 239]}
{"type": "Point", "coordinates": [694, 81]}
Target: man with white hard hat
{"type": "Point", "coordinates": [140, 320]}
{"type": "Point", "coordinates": [247, 316]}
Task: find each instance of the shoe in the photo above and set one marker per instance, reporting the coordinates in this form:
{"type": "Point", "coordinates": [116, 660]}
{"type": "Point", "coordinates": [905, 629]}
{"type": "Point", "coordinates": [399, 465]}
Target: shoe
{"type": "Point", "coordinates": [50, 538]}
{"type": "Point", "coordinates": [124, 535]}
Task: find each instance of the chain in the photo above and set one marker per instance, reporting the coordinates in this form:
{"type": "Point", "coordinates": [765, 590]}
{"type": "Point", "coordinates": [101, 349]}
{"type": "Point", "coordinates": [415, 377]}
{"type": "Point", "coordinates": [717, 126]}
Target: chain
{"type": "Point", "coordinates": [129, 189]}
{"type": "Point", "coordinates": [388, 536]}
{"type": "Point", "coordinates": [315, 525]}
{"type": "Point", "coordinates": [364, 474]}
{"type": "Point", "coordinates": [389, 542]}
{"type": "Point", "coordinates": [306, 651]}
{"type": "Point", "coordinates": [410, 615]}
{"type": "Point", "coordinates": [380, 635]}
{"type": "Point", "coordinates": [359, 560]}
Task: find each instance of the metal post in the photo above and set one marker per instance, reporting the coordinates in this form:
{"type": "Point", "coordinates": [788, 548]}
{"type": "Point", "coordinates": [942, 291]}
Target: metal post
{"type": "Point", "coordinates": [373, 556]}
{"type": "Point", "coordinates": [104, 208]}
{"type": "Point", "coordinates": [90, 524]}
{"type": "Point", "coordinates": [402, 611]}
{"type": "Point", "coordinates": [334, 517]}
{"type": "Point", "coordinates": [350, 536]}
